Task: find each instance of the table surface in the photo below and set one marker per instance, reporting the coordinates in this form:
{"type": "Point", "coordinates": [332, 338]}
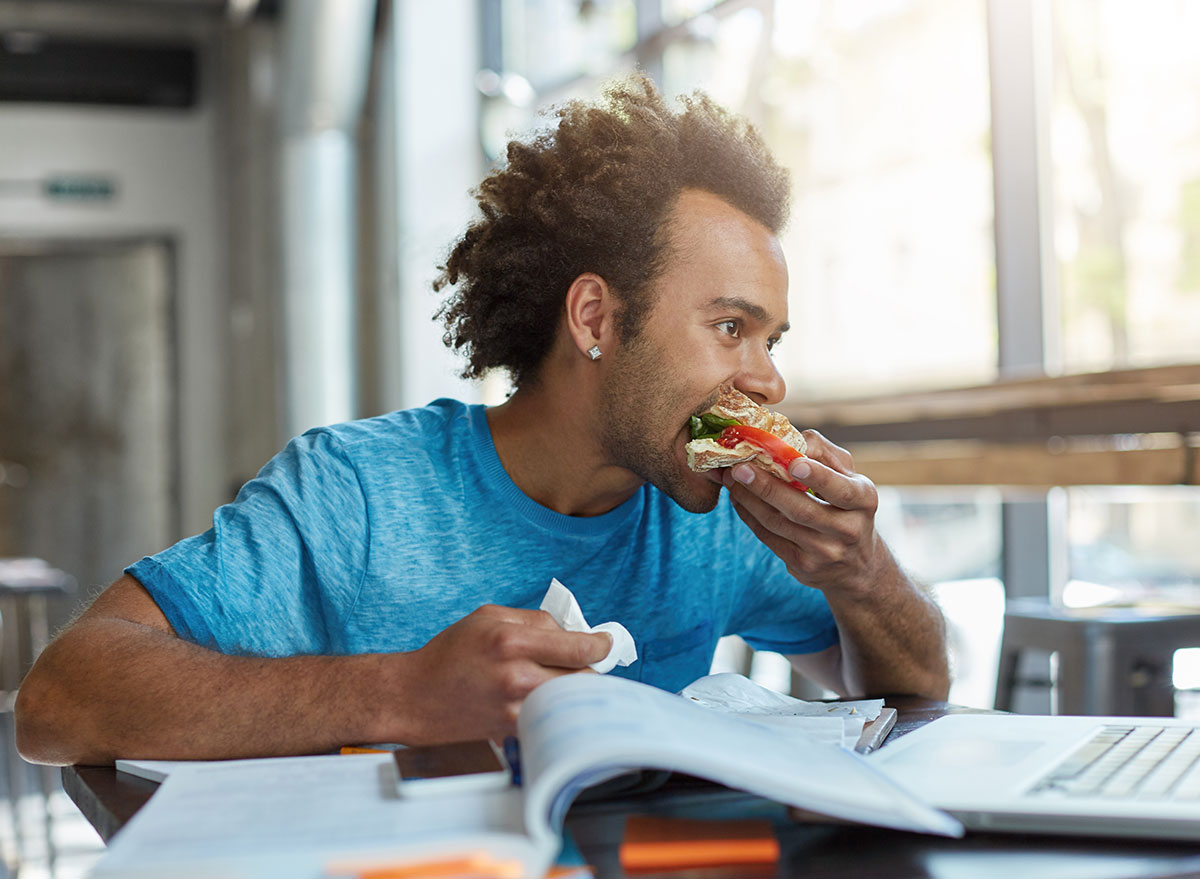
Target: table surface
{"type": "Point", "coordinates": [810, 847]}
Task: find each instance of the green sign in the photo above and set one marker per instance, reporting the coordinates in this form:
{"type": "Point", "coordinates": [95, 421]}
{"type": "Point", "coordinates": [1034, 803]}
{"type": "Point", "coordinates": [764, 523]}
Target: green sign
{"type": "Point", "coordinates": [79, 188]}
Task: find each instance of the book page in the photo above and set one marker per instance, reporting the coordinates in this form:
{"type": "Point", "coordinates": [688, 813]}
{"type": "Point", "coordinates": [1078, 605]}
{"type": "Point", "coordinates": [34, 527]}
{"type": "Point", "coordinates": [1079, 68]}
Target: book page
{"type": "Point", "coordinates": [291, 816]}
{"type": "Point", "coordinates": [579, 729]}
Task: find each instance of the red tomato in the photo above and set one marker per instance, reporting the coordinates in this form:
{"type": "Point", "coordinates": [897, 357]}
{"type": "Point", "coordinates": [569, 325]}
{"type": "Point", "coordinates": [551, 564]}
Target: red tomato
{"type": "Point", "coordinates": [781, 453]}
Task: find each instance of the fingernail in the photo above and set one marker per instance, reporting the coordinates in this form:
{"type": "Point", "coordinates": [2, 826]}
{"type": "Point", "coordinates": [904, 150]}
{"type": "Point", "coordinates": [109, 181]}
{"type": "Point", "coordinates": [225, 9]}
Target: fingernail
{"type": "Point", "coordinates": [743, 473]}
{"type": "Point", "coordinates": [800, 469]}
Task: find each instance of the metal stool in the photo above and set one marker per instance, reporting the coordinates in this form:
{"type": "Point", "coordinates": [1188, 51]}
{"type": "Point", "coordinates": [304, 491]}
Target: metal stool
{"type": "Point", "coordinates": [1111, 661]}
{"type": "Point", "coordinates": [25, 586]}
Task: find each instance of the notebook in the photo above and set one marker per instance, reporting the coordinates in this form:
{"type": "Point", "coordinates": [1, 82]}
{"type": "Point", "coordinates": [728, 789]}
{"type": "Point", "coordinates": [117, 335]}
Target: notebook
{"type": "Point", "coordinates": [1111, 776]}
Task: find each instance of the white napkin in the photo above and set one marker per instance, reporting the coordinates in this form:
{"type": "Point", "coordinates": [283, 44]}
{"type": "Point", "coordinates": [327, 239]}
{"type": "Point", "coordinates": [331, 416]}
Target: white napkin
{"type": "Point", "coordinates": [560, 603]}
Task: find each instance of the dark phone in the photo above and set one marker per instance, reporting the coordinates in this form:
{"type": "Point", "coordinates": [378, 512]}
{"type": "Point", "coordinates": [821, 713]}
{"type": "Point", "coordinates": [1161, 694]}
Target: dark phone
{"type": "Point", "coordinates": [455, 760]}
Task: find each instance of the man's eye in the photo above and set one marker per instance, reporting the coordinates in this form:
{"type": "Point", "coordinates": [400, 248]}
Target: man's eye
{"type": "Point", "coordinates": [730, 327]}
{"type": "Point", "coordinates": [771, 343]}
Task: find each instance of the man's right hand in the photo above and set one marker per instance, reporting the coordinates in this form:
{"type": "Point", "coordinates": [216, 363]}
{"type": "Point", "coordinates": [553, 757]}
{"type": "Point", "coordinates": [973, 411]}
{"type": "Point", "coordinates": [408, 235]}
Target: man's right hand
{"type": "Point", "coordinates": [471, 678]}
{"type": "Point", "coordinates": [119, 683]}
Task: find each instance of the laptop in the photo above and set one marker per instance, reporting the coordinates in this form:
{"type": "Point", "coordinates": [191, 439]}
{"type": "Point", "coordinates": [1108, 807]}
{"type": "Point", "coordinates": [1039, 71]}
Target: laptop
{"type": "Point", "coordinates": [1111, 776]}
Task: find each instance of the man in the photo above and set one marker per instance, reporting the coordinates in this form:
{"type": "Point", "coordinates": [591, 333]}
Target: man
{"type": "Point", "coordinates": [378, 580]}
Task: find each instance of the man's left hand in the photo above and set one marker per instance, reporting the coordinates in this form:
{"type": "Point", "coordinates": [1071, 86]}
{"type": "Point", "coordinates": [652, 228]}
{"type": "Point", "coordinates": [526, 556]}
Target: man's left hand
{"type": "Point", "coordinates": [826, 538]}
{"type": "Point", "coordinates": [891, 635]}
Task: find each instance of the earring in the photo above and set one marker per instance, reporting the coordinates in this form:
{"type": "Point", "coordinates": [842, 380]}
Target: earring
{"type": "Point", "coordinates": [594, 352]}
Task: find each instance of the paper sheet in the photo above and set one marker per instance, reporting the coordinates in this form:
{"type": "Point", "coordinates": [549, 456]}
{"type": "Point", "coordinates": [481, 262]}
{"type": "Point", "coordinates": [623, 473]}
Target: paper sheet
{"type": "Point", "coordinates": [290, 816]}
{"type": "Point", "coordinates": [560, 603]}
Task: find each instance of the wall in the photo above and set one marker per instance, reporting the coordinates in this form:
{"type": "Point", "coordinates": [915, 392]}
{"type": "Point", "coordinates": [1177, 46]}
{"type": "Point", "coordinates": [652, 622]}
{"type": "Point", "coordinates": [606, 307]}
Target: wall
{"type": "Point", "coordinates": [166, 165]}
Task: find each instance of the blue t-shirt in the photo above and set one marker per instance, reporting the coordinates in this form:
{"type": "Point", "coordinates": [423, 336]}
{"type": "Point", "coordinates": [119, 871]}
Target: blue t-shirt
{"type": "Point", "coordinates": [375, 535]}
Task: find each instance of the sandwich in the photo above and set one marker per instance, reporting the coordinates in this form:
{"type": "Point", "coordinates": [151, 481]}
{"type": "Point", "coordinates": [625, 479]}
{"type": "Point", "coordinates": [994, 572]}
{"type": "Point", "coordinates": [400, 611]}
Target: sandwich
{"type": "Point", "coordinates": [736, 429]}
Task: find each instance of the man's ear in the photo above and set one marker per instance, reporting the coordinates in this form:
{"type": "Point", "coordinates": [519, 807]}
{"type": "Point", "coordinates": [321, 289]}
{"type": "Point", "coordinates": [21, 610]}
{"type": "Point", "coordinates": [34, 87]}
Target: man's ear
{"type": "Point", "coordinates": [591, 307]}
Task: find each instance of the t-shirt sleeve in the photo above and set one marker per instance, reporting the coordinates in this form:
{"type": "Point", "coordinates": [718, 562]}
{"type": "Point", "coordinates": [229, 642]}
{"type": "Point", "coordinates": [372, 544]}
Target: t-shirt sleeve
{"type": "Point", "coordinates": [281, 567]}
{"type": "Point", "coordinates": [779, 613]}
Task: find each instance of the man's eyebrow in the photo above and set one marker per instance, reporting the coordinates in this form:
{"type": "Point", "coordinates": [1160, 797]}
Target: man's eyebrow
{"type": "Point", "coordinates": [753, 309]}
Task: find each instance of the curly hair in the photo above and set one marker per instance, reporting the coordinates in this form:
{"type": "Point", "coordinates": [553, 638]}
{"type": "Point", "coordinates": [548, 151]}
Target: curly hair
{"type": "Point", "coordinates": [593, 195]}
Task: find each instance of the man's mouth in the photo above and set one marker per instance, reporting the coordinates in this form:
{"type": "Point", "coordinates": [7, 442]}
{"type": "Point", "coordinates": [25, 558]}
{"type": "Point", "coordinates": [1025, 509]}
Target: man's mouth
{"type": "Point", "coordinates": [709, 402]}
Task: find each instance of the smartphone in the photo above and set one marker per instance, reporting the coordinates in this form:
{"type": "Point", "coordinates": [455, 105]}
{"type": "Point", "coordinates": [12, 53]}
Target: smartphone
{"type": "Point", "coordinates": [459, 767]}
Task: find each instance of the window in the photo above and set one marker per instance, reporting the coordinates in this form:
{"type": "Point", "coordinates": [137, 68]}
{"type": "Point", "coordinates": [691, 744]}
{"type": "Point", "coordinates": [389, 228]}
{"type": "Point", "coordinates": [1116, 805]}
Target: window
{"type": "Point", "coordinates": [1125, 147]}
{"type": "Point", "coordinates": [1124, 140]}
{"type": "Point", "coordinates": [882, 110]}
{"type": "Point", "coordinates": [890, 241]}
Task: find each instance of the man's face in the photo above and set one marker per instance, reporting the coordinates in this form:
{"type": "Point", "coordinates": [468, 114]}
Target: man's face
{"type": "Point", "coordinates": [719, 308]}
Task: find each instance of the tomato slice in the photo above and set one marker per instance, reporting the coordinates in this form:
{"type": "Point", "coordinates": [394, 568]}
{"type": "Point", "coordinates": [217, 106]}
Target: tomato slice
{"type": "Point", "coordinates": [781, 453]}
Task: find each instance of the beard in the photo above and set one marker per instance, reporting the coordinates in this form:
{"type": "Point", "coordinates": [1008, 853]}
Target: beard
{"type": "Point", "coordinates": [637, 418]}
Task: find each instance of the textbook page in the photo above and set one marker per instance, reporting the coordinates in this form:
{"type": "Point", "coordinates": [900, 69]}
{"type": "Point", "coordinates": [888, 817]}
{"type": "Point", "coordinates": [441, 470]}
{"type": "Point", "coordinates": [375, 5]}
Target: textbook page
{"type": "Point", "coordinates": [577, 730]}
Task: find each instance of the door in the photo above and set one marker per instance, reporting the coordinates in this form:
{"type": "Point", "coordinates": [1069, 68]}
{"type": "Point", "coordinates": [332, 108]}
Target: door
{"type": "Point", "coordinates": [87, 404]}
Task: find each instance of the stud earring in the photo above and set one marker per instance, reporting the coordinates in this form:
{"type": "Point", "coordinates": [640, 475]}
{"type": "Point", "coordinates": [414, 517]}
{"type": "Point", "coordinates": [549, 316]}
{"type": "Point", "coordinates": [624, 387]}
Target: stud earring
{"type": "Point", "coordinates": [594, 352]}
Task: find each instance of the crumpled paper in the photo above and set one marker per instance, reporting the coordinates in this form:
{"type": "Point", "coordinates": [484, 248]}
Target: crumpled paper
{"type": "Point", "coordinates": [561, 604]}
{"type": "Point", "coordinates": [731, 693]}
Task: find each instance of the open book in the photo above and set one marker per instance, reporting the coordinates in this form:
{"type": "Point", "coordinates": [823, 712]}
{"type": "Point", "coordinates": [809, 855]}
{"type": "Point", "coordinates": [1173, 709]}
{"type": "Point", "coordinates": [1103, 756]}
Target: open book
{"type": "Point", "coordinates": [579, 730]}
{"type": "Point", "coordinates": [575, 731]}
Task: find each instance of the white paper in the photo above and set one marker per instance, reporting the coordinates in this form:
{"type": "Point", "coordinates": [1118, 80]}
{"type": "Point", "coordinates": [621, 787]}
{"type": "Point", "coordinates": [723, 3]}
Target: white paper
{"type": "Point", "coordinates": [561, 604]}
{"type": "Point", "coordinates": [734, 692]}
{"type": "Point", "coordinates": [731, 693]}
{"type": "Point", "coordinates": [841, 731]}
{"type": "Point", "coordinates": [293, 816]}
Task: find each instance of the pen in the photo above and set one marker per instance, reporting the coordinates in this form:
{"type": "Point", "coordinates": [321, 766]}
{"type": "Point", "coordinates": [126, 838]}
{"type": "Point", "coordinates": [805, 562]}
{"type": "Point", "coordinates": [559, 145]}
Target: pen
{"type": "Point", "coordinates": [512, 754]}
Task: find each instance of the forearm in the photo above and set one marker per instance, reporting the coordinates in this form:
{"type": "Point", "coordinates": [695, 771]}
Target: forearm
{"type": "Point", "coordinates": [893, 635]}
{"type": "Point", "coordinates": [112, 688]}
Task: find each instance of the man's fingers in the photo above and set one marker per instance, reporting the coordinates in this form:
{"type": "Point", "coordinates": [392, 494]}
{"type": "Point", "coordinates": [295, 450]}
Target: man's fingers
{"type": "Point", "coordinates": [837, 491]}
{"type": "Point", "coordinates": [790, 513]}
{"type": "Point", "coordinates": [803, 557]}
{"type": "Point", "coordinates": [518, 615]}
{"type": "Point", "coordinates": [819, 448]}
{"type": "Point", "coordinates": [846, 492]}
{"type": "Point", "coordinates": [569, 650]}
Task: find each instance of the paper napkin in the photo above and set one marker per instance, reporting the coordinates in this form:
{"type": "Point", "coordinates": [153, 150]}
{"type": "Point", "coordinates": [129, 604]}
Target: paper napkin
{"type": "Point", "coordinates": [560, 603]}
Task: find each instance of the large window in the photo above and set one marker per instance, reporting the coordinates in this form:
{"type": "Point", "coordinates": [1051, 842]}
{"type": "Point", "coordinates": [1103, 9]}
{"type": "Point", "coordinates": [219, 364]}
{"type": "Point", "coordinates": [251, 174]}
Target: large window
{"type": "Point", "coordinates": [883, 112]}
{"type": "Point", "coordinates": [880, 111]}
{"type": "Point", "coordinates": [1125, 144]}
{"type": "Point", "coordinates": [1124, 138]}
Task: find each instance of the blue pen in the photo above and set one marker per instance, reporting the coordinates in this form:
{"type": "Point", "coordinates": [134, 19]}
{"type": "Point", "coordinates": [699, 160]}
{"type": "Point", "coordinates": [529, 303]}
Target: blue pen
{"type": "Point", "coordinates": [512, 753]}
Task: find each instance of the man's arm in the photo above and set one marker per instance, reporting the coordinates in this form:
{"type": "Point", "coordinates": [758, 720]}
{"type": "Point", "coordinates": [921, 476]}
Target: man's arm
{"type": "Point", "coordinates": [892, 635]}
{"type": "Point", "coordinates": [120, 683]}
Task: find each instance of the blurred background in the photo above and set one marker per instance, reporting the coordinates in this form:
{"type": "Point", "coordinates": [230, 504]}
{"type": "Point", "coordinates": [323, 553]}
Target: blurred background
{"type": "Point", "coordinates": [219, 220]}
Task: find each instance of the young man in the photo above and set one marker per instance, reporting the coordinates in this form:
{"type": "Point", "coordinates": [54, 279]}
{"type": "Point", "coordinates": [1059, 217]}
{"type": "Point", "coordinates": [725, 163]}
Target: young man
{"type": "Point", "coordinates": [378, 580]}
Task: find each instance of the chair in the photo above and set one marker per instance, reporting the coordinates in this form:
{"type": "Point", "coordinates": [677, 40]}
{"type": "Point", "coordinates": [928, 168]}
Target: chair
{"type": "Point", "coordinates": [1111, 660]}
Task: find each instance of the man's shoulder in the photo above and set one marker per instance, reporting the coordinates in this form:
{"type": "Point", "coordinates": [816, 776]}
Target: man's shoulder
{"type": "Point", "coordinates": [427, 427]}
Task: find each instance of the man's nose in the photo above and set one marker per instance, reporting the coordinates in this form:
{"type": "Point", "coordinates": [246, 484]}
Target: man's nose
{"type": "Point", "coordinates": [760, 380]}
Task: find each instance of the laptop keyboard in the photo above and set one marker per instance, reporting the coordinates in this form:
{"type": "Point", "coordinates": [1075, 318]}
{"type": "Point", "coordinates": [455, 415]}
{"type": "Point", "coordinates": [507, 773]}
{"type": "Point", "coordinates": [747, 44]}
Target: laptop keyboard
{"type": "Point", "coordinates": [1144, 762]}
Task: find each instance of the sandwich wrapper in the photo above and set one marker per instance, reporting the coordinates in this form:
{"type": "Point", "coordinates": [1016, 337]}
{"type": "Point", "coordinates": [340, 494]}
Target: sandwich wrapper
{"type": "Point", "coordinates": [561, 604]}
{"type": "Point", "coordinates": [838, 723]}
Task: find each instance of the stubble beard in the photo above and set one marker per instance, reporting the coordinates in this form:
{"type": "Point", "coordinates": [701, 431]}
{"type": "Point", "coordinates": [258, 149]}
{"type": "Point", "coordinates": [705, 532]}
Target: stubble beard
{"type": "Point", "coordinates": [636, 399]}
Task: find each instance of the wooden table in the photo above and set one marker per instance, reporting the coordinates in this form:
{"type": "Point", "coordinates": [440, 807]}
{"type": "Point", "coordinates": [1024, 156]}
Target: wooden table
{"type": "Point", "coordinates": [814, 849]}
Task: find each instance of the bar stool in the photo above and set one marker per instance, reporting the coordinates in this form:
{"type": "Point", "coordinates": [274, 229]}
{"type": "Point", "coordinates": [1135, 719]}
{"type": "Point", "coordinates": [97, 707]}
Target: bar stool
{"type": "Point", "coordinates": [26, 585]}
{"type": "Point", "coordinates": [1111, 660]}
